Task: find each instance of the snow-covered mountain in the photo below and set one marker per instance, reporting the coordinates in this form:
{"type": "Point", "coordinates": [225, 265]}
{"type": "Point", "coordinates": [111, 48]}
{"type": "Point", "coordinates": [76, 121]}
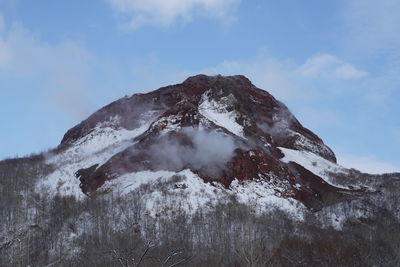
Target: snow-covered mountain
{"type": "Point", "coordinates": [222, 134]}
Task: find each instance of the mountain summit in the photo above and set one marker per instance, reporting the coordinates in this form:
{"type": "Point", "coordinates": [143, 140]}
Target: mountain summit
{"type": "Point", "coordinates": [222, 129]}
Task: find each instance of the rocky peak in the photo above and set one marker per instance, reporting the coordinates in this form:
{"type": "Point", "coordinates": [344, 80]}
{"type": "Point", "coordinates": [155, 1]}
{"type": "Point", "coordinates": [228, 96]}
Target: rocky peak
{"type": "Point", "coordinates": [239, 82]}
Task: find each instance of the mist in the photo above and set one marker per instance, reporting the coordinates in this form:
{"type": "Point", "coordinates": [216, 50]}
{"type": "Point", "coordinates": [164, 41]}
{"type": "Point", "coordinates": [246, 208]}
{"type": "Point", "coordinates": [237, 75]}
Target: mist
{"type": "Point", "coordinates": [208, 151]}
{"type": "Point", "coordinates": [282, 121]}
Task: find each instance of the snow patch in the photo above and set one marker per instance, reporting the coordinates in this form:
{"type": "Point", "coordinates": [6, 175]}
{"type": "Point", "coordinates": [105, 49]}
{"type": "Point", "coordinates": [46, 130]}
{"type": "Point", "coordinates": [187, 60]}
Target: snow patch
{"type": "Point", "coordinates": [314, 163]}
{"type": "Point", "coordinates": [168, 124]}
{"type": "Point", "coordinates": [262, 197]}
{"type": "Point", "coordinates": [191, 193]}
{"type": "Point", "coordinates": [303, 142]}
{"type": "Point", "coordinates": [218, 113]}
{"type": "Point", "coordinates": [189, 190]}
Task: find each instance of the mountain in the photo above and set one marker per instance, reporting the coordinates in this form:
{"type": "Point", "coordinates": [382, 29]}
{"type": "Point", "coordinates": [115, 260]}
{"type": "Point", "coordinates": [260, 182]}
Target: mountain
{"type": "Point", "coordinates": [223, 129]}
{"type": "Point", "coordinates": [215, 158]}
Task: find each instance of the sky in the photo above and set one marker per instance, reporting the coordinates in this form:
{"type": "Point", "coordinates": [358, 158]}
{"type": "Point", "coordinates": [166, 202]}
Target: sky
{"type": "Point", "coordinates": [335, 64]}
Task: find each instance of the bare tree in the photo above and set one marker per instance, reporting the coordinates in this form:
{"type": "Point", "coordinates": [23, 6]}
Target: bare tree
{"type": "Point", "coordinates": [174, 258]}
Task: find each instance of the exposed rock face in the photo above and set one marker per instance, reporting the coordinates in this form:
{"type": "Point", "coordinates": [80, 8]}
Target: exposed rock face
{"type": "Point", "coordinates": [221, 128]}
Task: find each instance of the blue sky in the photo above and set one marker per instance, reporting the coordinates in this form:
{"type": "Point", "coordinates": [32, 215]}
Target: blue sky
{"type": "Point", "coordinates": [336, 64]}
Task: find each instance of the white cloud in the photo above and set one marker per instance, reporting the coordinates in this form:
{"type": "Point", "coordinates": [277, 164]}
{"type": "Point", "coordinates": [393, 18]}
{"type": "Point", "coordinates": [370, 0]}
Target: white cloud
{"type": "Point", "coordinates": [60, 69]}
{"type": "Point", "coordinates": [372, 26]}
{"type": "Point", "coordinates": [167, 12]}
{"type": "Point", "coordinates": [371, 34]}
{"type": "Point", "coordinates": [4, 52]}
{"type": "Point", "coordinates": [330, 66]}
{"type": "Point", "coordinates": [367, 164]}
{"type": "Point", "coordinates": [348, 71]}
{"type": "Point", "coordinates": [318, 63]}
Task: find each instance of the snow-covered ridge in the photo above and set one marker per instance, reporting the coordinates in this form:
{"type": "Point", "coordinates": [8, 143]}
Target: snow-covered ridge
{"type": "Point", "coordinates": [304, 143]}
{"type": "Point", "coordinates": [106, 140]}
{"type": "Point", "coordinates": [218, 113]}
{"type": "Point", "coordinates": [314, 163]}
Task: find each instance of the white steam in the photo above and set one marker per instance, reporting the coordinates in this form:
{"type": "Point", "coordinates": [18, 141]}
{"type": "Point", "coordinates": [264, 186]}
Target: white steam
{"type": "Point", "coordinates": [198, 149]}
{"type": "Point", "coordinates": [281, 123]}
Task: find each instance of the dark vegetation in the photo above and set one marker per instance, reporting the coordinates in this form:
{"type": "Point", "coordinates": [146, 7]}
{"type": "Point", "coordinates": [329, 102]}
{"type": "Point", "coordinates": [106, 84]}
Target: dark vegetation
{"type": "Point", "coordinates": [110, 230]}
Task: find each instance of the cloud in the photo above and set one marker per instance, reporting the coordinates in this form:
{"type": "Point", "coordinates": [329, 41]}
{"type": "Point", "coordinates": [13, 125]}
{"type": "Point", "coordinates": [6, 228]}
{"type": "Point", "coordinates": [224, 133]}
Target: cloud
{"type": "Point", "coordinates": [330, 66]}
{"type": "Point", "coordinates": [164, 13]}
{"type": "Point", "coordinates": [370, 33]}
{"type": "Point", "coordinates": [4, 51]}
{"type": "Point", "coordinates": [60, 70]}
{"type": "Point", "coordinates": [367, 164]}
{"type": "Point", "coordinates": [372, 27]}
